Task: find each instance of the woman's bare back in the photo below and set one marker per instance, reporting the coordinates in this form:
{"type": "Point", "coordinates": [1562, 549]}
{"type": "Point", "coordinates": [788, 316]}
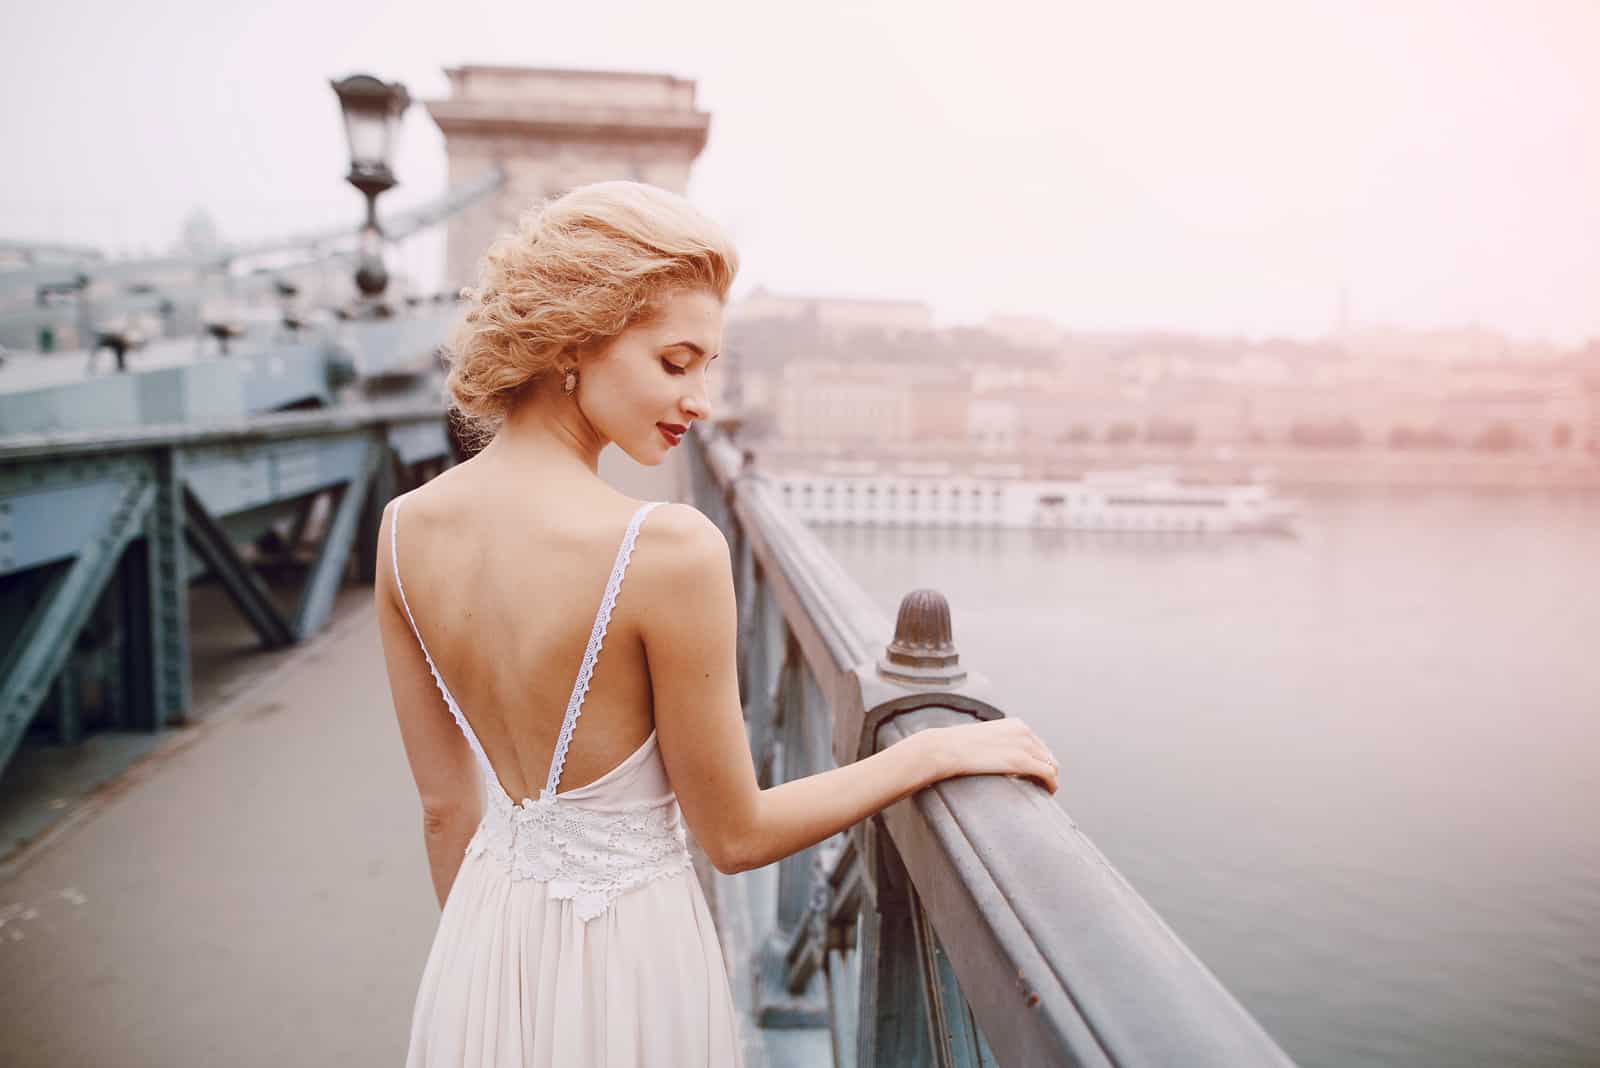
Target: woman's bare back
{"type": "Point", "coordinates": [504, 582]}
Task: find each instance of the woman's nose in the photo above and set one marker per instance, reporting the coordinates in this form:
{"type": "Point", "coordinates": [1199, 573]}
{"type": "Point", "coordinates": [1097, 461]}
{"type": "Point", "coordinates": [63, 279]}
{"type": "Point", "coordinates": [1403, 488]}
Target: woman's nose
{"type": "Point", "coordinates": [697, 405]}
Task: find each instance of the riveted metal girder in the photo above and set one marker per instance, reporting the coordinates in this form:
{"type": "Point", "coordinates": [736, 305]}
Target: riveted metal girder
{"type": "Point", "coordinates": [46, 638]}
{"type": "Point", "coordinates": [316, 600]}
{"type": "Point", "coordinates": [200, 481]}
{"type": "Point", "coordinates": [385, 484]}
{"type": "Point", "coordinates": [838, 895]}
{"type": "Point", "coordinates": [167, 608]}
{"type": "Point", "coordinates": [233, 477]}
{"type": "Point", "coordinates": [49, 511]}
{"type": "Point", "coordinates": [415, 442]}
{"type": "Point", "coordinates": [244, 586]}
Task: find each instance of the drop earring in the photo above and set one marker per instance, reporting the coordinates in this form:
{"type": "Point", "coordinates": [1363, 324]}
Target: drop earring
{"type": "Point", "coordinates": [569, 384]}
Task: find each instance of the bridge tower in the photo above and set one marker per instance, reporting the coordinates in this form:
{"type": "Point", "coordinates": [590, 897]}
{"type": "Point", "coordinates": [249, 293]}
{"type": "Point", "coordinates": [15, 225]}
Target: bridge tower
{"type": "Point", "coordinates": [554, 129]}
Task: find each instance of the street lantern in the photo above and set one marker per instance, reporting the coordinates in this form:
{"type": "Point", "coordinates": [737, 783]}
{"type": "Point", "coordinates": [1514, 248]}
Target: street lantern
{"type": "Point", "coordinates": [372, 110]}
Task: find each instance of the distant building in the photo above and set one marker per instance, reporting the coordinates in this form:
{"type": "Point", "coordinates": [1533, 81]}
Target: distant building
{"type": "Point", "coordinates": [994, 424]}
{"type": "Point", "coordinates": [1027, 330]}
{"type": "Point", "coordinates": [553, 130]}
{"type": "Point", "coordinates": [836, 402]}
{"type": "Point", "coordinates": [1437, 346]}
{"type": "Point", "coordinates": [198, 235]}
{"type": "Point", "coordinates": [837, 313]}
{"type": "Point", "coordinates": [830, 402]}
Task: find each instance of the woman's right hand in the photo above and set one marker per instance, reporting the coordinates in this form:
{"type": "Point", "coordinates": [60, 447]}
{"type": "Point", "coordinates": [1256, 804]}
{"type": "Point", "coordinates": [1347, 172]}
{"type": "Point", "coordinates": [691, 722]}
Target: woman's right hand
{"type": "Point", "coordinates": [995, 747]}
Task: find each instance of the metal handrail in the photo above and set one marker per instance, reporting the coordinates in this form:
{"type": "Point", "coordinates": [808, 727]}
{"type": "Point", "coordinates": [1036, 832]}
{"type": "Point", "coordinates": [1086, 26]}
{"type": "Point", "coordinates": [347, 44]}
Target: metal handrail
{"type": "Point", "coordinates": [1056, 958]}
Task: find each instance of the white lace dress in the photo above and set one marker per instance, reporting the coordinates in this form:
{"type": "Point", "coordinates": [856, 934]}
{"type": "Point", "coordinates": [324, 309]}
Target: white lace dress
{"type": "Point", "coordinates": [576, 933]}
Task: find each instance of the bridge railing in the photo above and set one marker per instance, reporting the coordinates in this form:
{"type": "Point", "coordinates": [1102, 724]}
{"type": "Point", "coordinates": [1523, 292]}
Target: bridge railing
{"type": "Point", "coordinates": [971, 923]}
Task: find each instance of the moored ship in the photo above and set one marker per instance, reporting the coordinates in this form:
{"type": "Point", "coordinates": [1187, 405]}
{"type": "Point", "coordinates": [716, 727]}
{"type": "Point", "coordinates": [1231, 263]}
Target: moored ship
{"type": "Point", "coordinates": [1143, 500]}
{"type": "Point", "coordinates": [1153, 499]}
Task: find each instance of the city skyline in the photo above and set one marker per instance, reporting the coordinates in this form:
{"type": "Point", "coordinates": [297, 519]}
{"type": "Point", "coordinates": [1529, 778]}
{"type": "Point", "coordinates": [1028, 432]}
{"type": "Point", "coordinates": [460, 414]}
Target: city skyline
{"type": "Point", "coordinates": [1245, 172]}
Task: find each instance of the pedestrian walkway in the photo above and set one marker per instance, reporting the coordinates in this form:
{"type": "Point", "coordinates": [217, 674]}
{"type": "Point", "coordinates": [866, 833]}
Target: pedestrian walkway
{"type": "Point", "coordinates": [254, 889]}
{"type": "Point", "coordinates": [255, 892]}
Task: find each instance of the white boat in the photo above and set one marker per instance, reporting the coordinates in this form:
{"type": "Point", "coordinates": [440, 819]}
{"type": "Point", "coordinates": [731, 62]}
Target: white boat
{"type": "Point", "coordinates": [1153, 499]}
{"type": "Point", "coordinates": [1145, 500]}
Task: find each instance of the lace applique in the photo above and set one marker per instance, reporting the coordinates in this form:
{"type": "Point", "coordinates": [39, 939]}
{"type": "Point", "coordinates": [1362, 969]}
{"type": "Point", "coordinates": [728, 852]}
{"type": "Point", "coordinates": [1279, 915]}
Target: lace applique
{"type": "Point", "coordinates": [585, 855]}
{"type": "Point", "coordinates": [588, 856]}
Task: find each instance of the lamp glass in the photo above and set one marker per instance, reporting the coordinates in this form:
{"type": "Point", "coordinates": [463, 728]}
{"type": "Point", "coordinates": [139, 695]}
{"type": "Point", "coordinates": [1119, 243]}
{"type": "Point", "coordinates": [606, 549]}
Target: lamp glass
{"type": "Point", "coordinates": [370, 137]}
{"type": "Point", "coordinates": [372, 111]}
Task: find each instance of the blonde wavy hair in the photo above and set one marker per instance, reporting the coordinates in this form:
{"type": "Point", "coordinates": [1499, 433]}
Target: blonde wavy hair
{"type": "Point", "coordinates": [578, 270]}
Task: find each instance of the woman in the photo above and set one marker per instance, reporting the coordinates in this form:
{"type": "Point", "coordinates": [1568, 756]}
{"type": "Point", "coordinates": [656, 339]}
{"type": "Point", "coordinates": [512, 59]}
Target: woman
{"type": "Point", "coordinates": [573, 930]}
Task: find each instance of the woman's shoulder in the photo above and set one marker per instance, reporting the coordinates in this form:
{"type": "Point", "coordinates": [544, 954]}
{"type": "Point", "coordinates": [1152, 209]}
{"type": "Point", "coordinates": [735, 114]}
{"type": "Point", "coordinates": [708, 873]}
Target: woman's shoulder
{"type": "Point", "coordinates": [431, 499]}
{"type": "Point", "coordinates": [682, 522]}
{"type": "Point", "coordinates": [678, 549]}
{"type": "Point", "coordinates": [684, 538]}
{"type": "Point", "coordinates": [681, 567]}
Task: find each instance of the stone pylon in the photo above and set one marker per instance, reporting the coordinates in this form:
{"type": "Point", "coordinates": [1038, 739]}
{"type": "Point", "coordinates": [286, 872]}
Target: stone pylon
{"type": "Point", "coordinates": [552, 130]}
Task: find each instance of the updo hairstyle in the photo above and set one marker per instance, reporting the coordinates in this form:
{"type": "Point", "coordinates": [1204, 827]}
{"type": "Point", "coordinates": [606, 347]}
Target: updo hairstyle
{"type": "Point", "coordinates": [578, 270]}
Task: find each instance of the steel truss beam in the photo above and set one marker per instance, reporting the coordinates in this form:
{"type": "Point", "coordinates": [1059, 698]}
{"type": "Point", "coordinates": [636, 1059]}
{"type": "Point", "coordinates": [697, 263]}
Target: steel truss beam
{"type": "Point", "coordinates": [47, 637]}
{"type": "Point", "coordinates": [85, 510]}
{"type": "Point", "coordinates": [267, 471]}
{"type": "Point", "coordinates": [238, 578]}
{"type": "Point", "coordinates": [316, 599]}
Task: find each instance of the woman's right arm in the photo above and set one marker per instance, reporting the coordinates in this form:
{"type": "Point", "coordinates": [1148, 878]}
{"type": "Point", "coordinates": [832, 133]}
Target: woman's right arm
{"type": "Point", "coordinates": [689, 625]}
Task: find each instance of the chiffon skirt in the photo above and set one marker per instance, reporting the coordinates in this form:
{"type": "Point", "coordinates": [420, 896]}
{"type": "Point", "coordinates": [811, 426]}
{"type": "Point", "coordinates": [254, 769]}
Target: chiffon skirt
{"type": "Point", "coordinates": [515, 978]}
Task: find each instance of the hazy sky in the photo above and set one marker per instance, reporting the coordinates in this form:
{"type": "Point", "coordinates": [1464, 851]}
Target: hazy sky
{"type": "Point", "coordinates": [1222, 166]}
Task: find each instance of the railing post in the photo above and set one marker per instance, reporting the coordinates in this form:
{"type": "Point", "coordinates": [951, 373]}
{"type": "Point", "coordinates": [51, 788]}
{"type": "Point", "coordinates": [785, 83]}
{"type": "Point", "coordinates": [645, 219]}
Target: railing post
{"type": "Point", "coordinates": [922, 657]}
{"type": "Point", "coordinates": [794, 871]}
{"type": "Point", "coordinates": [958, 1042]}
{"type": "Point", "coordinates": [894, 1027]}
{"type": "Point", "coordinates": [748, 603]}
{"type": "Point", "coordinates": [168, 606]}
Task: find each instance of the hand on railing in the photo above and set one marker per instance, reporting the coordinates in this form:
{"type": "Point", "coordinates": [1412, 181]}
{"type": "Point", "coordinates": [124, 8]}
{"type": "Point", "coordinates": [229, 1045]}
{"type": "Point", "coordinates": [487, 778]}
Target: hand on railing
{"type": "Point", "coordinates": [994, 747]}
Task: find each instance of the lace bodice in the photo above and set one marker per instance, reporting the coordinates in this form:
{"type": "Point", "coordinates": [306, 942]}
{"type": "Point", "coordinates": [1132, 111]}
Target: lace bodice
{"type": "Point", "coordinates": [615, 835]}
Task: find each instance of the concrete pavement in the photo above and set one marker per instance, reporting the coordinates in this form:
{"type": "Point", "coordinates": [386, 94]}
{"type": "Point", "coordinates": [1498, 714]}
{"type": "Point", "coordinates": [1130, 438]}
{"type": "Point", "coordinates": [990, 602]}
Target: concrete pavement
{"type": "Point", "coordinates": [254, 890]}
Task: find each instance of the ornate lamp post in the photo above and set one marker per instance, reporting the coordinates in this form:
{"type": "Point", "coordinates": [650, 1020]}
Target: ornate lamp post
{"type": "Point", "coordinates": [372, 110]}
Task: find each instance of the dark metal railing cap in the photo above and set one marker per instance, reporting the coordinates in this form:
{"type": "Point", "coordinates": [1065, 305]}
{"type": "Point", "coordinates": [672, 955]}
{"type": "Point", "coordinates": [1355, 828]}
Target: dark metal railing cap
{"type": "Point", "coordinates": [923, 652]}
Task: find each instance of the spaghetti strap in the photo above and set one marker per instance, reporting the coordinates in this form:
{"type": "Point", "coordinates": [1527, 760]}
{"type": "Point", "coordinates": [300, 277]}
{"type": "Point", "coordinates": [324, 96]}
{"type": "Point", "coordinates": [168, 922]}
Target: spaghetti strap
{"type": "Point", "coordinates": [580, 688]}
{"type": "Point", "coordinates": [438, 680]}
{"type": "Point", "coordinates": [597, 634]}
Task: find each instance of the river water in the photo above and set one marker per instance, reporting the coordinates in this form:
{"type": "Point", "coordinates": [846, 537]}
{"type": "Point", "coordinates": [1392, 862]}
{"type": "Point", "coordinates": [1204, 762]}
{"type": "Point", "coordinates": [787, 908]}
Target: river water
{"type": "Point", "coordinates": [1357, 770]}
